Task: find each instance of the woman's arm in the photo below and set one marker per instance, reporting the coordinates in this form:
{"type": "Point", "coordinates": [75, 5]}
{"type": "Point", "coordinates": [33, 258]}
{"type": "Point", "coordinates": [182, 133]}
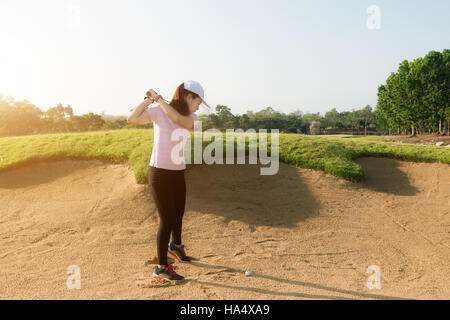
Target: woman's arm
{"type": "Point", "coordinates": [174, 115]}
{"type": "Point", "coordinates": [137, 112]}
{"type": "Point", "coordinates": [184, 121]}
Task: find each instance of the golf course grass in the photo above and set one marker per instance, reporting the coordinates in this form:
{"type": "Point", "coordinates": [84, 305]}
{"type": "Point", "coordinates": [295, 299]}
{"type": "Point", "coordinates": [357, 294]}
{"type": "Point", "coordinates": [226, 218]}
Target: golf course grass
{"type": "Point", "coordinates": [331, 154]}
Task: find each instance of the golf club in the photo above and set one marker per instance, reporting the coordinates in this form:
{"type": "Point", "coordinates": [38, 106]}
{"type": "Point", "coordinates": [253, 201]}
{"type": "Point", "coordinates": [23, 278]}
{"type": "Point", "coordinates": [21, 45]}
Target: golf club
{"type": "Point", "coordinates": [149, 95]}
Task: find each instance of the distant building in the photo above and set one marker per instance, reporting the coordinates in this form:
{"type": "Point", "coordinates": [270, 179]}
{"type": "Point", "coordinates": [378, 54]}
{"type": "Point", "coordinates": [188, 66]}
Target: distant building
{"type": "Point", "coordinates": [314, 127]}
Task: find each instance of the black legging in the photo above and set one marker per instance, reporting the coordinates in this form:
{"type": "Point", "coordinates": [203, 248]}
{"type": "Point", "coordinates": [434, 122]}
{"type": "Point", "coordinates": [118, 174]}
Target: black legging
{"type": "Point", "coordinates": [168, 189]}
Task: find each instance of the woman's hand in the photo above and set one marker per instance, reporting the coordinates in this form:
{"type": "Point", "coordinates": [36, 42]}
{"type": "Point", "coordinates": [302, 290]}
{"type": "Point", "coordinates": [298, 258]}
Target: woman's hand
{"type": "Point", "coordinates": [151, 94]}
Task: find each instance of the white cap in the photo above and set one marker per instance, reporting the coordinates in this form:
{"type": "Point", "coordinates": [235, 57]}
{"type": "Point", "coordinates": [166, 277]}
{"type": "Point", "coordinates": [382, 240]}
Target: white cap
{"type": "Point", "coordinates": [194, 86]}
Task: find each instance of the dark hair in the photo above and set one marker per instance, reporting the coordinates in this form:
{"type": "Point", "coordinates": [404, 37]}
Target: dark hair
{"type": "Point", "coordinates": [179, 100]}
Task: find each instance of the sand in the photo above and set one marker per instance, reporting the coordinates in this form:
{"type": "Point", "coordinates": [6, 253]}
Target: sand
{"type": "Point", "coordinates": [421, 139]}
{"type": "Point", "coordinates": [304, 234]}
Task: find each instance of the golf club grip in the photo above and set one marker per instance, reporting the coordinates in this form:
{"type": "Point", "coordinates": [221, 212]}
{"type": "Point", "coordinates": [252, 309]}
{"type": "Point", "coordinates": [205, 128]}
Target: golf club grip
{"type": "Point", "coordinates": [147, 107]}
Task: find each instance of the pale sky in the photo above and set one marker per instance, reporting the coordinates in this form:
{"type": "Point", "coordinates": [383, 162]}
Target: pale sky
{"type": "Point", "coordinates": [102, 55]}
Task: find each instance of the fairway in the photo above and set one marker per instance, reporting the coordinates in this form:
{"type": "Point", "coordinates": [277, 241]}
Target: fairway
{"type": "Point", "coordinates": [321, 230]}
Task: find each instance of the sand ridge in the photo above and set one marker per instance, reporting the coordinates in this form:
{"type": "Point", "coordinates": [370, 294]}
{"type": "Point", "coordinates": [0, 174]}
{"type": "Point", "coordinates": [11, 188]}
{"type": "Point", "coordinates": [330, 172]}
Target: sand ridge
{"type": "Point", "coordinates": [302, 233]}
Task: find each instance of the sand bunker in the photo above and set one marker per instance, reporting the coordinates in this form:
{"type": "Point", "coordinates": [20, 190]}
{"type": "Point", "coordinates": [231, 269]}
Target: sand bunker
{"type": "Point", "coordinates": [303, 233]}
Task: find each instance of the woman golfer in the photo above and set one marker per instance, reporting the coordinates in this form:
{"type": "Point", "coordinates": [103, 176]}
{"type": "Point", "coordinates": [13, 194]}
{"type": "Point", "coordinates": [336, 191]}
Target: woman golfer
{"type": "Point", "coordinates": [166, 170]}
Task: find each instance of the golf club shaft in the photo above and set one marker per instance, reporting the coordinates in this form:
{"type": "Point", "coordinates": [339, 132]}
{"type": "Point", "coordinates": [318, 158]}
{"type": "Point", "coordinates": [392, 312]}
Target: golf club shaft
{"type": "Point", "coordinates": [149, 95]}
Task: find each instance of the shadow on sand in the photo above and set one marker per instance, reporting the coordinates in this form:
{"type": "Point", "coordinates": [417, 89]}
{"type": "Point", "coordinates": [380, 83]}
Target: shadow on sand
{"type": "Point", "coordinates": [240, 192]}
{"type": "Point", "coordinates": [44, 171]}
{"type": "Point", "coordinates": [384, 175]}
{"type": "Point", "coordinates": [355, 294]}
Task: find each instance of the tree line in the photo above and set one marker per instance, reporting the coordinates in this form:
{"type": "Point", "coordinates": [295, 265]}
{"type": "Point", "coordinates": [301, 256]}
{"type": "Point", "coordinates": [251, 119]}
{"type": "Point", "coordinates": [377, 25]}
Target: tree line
{"type": "Point", "coordinates": [415, 99]}
{"type": "Point", "coordinates": [23, 118]}
{"type": "Point", "coordinates": [356, 121]}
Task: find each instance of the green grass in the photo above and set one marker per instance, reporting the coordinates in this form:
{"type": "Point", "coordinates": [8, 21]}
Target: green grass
{"type": "Point", "coordinates": [331, 154]}
{"type": "Point", "coordinates": [124, 146]}
{"type": "Point", "coordinates": [335, 154]}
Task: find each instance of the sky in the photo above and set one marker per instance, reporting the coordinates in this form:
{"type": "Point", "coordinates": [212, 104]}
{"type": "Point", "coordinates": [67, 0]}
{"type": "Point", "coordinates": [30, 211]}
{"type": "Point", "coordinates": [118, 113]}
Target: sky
{"type": "Point", "coordinates": [103, 55]}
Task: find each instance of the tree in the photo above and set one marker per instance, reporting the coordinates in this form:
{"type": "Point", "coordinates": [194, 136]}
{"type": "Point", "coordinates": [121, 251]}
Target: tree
{"type": "Point", "coordinates": [224, 117]}
{"type": "Point", "coordinates": [18, 117]}
{"type": "Point", "coordinates": [367, 116]}
{"type": "Point", "coordinates": [417, 95]}
{"type": "Point", "coordinates": [331, 119]}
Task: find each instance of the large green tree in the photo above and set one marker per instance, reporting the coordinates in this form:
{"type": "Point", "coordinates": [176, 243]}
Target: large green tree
{"type": "Point", "coordinates": [416, 97]}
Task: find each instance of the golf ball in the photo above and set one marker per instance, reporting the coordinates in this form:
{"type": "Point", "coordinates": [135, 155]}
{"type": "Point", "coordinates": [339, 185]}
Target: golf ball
{"type": "Point", "coordinates": [247, 272]}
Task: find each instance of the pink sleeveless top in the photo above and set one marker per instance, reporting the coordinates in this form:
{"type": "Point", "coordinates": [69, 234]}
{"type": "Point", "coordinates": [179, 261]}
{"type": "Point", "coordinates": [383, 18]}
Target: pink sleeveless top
{"type": "Point", "coordinates": [163, 128]}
